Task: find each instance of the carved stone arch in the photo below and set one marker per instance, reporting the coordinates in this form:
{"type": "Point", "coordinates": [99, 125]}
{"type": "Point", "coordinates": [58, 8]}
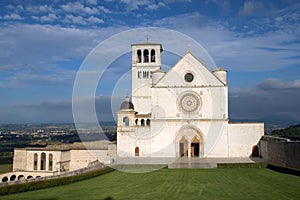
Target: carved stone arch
{"type": "Point", "coordinates": [195, 138]}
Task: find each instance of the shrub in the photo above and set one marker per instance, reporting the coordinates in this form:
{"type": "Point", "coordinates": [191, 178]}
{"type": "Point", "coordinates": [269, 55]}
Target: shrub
{"type": "Point", "coordinates": [36, 185]}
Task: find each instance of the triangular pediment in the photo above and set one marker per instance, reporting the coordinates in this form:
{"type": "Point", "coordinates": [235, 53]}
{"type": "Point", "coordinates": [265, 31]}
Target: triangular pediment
{"type": "Point", "coordinates": [189, 64]}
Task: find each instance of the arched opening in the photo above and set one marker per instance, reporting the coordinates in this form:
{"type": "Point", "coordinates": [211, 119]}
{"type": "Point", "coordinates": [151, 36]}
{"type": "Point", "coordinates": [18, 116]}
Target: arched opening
{"type": "Point", "coordinates": [136, 122]}
{"type": "Point", "coordinates": [137, 151]}
{"type": "Point", "coordinates": [195, 147]}
{"type": "Point", "coordinates": [35, 161]}
{"type": "Point", "coordinates": [189, 142]}
{"type": "Point", "coordinates": [146, 55]}
{"type": "Point", "coordinates": [4, 179]}
{"type": "Point", "coordinates": [50, 162]}
{"type": "Point", "coordinates": [139, 56]}
{"type": "Point", "coordinates": [142, 122]}
{"type": "Point", "coordinates": [13, 177]}
{"type": "Point", "coordinates": [126, 121]}
{"type": "Point", "coordinates": [183, 147]}
{"type": "Point", "coordinates": [38, 177]}
{"type": "Point", "coordinates": [152, 55]}
{"type": "Point", "coordinates": [21, 177]}
{"type": "Point", "coordinates": [29, 177]}
{"type": "Point", "coordinates": [148, 122]}
{"type": "Point", "coordinates": [255, 151]}
{"type": "Point", "coordinates": [43, 161]}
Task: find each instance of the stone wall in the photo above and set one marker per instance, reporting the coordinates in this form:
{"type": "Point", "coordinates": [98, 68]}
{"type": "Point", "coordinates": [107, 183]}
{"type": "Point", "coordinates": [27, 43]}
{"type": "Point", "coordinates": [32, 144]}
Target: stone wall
{"type": "Point", "coordinates": [280, 151]}
{"type": "Point", "coordinates": [242, 137]}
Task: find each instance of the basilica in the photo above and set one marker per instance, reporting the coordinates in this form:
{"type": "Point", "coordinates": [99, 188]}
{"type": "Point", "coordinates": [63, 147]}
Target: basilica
{"type": "Point", "coordinates": [180, 113]}
{"type": "Point", "coordinates": [174, 114]}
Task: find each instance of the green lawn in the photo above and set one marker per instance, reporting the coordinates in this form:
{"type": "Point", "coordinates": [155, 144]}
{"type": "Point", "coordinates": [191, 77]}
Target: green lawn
{"type": "Point", "coordinates": [251, 183]}
{"type": "Point", "coordinates": [5, 168]}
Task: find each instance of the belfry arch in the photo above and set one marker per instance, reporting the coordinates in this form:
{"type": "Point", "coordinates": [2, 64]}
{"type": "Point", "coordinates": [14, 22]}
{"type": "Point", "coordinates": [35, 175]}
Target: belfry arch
{"type": "Point", "coordinates": [189, 142]}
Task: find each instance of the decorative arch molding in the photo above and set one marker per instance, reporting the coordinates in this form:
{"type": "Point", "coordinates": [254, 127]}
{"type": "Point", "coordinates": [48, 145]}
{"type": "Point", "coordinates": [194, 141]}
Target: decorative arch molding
{"type": "Point", "coordinates": [195, 142]}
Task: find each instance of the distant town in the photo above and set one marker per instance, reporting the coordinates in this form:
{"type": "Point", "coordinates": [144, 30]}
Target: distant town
{"type": "Point", "coordinates": [40, 135]}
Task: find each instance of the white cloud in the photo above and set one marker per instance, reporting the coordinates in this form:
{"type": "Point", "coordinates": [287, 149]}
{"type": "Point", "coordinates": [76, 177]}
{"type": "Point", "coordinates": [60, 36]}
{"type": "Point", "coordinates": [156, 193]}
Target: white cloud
{"type": "Point", "coordinates": [95, 20]}
{"type": "Point", "coordinates": [92, 2]}
{"type": "Point", "coordinates": [12, 16]}
{"type": "Point", "coordinates": [71, 19]}
{"type": "Point", "coordinates": [146, 4]}
{"type": "Point", "coordinates": [17, 8]}
{"type": "Point", "coordinates": [79, 8]}
{"type": "Point", "coordinates": [40, 9]}
{"type": "Point", "coordinates": [273, 101]}
{"type": "Point", "coordinates": [48, 18]}
{"type": "Point", "coordinates": [250, 7]}
{"type": "Point", "coordinates": [79, 20]}
{"type": "Point", "coordinates": [277, 84]}
{"type": "Point", "coordinates": [103, 9]}
{"type": "Point", "coordinates": [34, 45]}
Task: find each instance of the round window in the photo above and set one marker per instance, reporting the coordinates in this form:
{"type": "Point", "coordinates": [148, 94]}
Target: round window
{"type": "Point", "coordinates": [188, 77]}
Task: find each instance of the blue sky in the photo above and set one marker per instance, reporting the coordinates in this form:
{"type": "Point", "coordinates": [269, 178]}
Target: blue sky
{"type": "Point", "coordinates": [43, 43]}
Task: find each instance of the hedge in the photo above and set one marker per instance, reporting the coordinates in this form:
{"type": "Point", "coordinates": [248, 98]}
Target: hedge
{"type": "Point", "coordinates": [36, 185]}
{"type": "Point", "coordinates": [242, 165]}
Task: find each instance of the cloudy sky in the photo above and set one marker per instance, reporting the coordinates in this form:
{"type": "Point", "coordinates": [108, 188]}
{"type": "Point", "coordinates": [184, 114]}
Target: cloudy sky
{"type": "Point", "coordinates": [43, 43]}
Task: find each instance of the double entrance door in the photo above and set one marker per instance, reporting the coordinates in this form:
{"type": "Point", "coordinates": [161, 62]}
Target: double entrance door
{"type": "Point", "coordinates": [193, 149]}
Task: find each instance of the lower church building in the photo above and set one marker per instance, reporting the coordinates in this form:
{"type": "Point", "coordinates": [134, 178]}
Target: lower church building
{"type": "Point", "coordinates": [180, 113]}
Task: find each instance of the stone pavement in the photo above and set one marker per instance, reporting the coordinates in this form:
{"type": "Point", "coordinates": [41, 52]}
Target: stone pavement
{"type": "Point", "coordinates": [210, 162]}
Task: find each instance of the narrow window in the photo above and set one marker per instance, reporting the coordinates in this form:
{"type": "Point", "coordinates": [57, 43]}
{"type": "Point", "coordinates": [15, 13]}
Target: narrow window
{"type": "Point", "coordinates": [137, 151]}
{"type": "Point", "coordinates": [142, 122]}
{"type": "Point", "coordinates": [152, 55]}
{"type": "Point", "coordinates": [146, 55]}
{"type": "Point", "coordinates": [43, 161]}
{"type": "Point", "coordinates": [139, 56]}
{"type": "Point", "coordinates": [136, 122]}
{"type": "Point", "coordinates": [148, 122]}
{"type": "Point", "coordinates": [126, 121]}
{"type": "Point", "coordinates": [139, 74]}
{"type": "Point", "coordinates": [50, 162]}
{"type": "Point", "coordinates": [35, 161]}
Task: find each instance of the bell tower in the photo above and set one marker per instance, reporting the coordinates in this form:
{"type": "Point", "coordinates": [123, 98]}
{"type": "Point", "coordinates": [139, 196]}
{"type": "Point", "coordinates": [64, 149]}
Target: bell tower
{"type": "Point", "coordinates": [146, 58]}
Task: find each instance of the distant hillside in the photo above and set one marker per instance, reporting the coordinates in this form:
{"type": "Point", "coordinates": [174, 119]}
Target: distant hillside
{"type": "Point", "coordinates": [291, 132]}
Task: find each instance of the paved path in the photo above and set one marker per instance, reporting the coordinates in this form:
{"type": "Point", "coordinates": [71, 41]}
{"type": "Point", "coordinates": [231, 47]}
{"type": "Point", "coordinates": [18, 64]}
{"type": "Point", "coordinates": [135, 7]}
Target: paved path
{"type": "Point", "coordinates": [210, 162]}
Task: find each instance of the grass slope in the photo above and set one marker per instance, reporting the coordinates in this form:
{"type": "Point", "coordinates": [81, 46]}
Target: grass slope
{"type": "Point", "coordinates": [255, 183]}
{"type": "Point", "coordinates": [5, 168]}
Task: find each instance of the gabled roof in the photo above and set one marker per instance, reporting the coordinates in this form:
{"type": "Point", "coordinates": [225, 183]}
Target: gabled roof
{"type": "Point", "coordinates": [189, 63]}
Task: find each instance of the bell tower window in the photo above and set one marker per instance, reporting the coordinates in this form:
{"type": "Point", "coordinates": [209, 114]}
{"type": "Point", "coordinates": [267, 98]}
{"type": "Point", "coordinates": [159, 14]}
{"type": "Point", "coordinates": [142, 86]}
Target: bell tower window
{"type": "Point", "coordinates": [146, 55]}
{"type": "Point", "coordinates": [126, 121]}
{"type": "Point", "coordinates": [152, 55]}
{"type": "Point", "coordinates": [139, 56]}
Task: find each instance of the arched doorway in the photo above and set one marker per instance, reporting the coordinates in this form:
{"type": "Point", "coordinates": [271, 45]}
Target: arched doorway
{"type": "Point", "coordinates": [137, 151]}
{"type": "Point", "coordinates": [195, 147]}
{"type": "Point", "coordinates": [183, 147]}
{"type": "Point", "coordinates": [189, 142]}
{"type": "Point", "coordinates": [255, 151]}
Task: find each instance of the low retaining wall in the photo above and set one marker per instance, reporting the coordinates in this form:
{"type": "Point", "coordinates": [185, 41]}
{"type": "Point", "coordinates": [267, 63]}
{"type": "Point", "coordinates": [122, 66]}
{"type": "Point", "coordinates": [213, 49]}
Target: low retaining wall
{"type": "Point", "coordinates": [35, 176]}
{"type": "Point", "coordinates": [280, 151]}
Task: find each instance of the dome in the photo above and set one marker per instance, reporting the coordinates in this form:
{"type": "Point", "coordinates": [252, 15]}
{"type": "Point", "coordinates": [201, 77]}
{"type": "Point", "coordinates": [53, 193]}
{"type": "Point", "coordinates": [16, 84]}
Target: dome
{"type": "Point", "coordinates": [127, 104]}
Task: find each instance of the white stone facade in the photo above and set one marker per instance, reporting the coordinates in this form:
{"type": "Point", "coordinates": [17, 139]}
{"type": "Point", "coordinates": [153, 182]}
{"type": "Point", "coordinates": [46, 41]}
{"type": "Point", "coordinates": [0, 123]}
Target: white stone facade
{"type": "Point", "coordinates": [182, 112]}
{"type": "Point", "coordinates": [58, 159]}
